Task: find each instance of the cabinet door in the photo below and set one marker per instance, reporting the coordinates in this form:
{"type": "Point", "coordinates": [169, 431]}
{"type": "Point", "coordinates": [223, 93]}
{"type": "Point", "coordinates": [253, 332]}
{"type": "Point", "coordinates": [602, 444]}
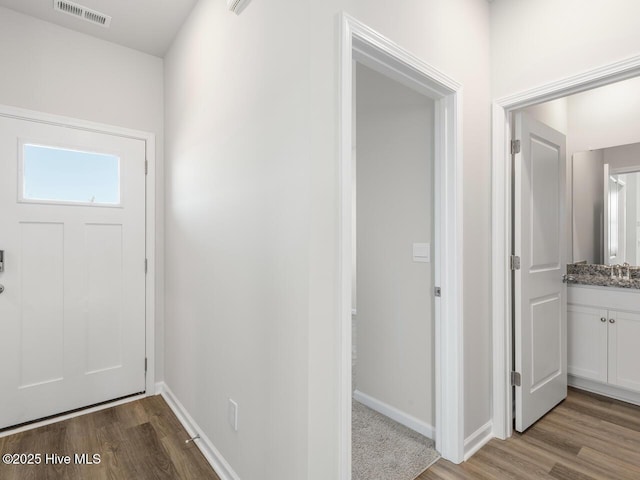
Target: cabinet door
{"type": "Point", "coordinates": [624, 349]}
{"type": "Point", "coordinates": [587, 342]}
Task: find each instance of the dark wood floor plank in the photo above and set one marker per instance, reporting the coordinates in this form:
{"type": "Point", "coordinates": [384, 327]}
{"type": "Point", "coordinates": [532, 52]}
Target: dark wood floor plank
{"type": "Point", "coordinates": [138, 440]}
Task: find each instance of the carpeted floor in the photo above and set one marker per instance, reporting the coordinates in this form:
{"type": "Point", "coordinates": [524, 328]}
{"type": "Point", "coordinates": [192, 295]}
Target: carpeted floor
{"type": "Point", "coordinates": [386, 450]}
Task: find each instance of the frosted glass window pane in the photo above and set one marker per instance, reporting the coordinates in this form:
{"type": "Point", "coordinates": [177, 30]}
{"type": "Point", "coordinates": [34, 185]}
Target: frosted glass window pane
{"type": "Point", "coordinates": [70, 176]}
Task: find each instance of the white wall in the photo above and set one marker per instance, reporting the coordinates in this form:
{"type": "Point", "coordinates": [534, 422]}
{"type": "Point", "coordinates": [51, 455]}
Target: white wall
{"type": "Point", "coordinates": [51, 69]}
{"type": "Point", "coordinates": [252, 217]}
{"type": "Point", "coordinates": [588, 202]}
{"type": "Point", "coordinates": [534, 42]}
{"type": "Point", "coordinates": [237, 123]}
{"type": "Point", "coordinates": [394, 210]}
{"type": "Point", "coordinates": [605, 117]}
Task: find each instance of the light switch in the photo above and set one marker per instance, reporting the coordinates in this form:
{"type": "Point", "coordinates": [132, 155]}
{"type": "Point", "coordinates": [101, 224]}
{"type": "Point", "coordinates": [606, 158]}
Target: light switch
{"type": "Point", "coordinates": [421, 252]}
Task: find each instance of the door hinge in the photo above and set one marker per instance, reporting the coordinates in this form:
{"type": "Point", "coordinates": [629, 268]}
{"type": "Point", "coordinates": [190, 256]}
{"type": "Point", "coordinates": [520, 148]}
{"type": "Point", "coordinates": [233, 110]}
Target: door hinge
{"type": "Point", "coordinates": [437, 291]}
{"type": "Point", "coordinates": [515, 147]}
{"type": "Point", "coordinates": [146, 265]}
{"type": "Point", "coordinates": [145, 364]}
{"type": "Point", "coordinates": [514, 262]}
{"type": "Point", "coordinates": [146, 167]}
{"type": "Point", "coordinates": [516, 379]}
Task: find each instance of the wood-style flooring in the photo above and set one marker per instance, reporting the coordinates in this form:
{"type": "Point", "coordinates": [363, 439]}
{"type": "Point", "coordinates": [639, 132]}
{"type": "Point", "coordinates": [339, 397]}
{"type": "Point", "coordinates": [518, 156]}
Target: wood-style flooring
{"type": "Point", "coordinates": [140, 440]}
{"type": "Point", "coordinates": [586, 437]}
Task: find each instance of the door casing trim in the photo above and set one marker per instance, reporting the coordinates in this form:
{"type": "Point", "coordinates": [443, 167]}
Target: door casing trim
{"type": "Point", "coordinates": [501, 225]}
{"type": "Point", "coordinates": [150, 212]}
{"type": "Point", "coordinates": [359, 42]}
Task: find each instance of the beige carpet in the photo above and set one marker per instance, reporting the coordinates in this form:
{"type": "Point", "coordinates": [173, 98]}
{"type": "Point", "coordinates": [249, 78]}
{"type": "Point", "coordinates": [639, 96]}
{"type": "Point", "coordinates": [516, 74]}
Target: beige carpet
{"type": "Point", "coordinates": [385, 450]}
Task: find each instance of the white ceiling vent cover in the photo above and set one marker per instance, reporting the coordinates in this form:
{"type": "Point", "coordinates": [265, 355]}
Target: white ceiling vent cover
{"type": "Point", "coordinates": [237, 6]}
{"type": "Point", "coordinates": [82, 12]}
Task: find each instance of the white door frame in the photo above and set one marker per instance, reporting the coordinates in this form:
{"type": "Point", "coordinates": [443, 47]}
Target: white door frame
{"type": "Point", "coordinates": [150, 240]}
{"type": "Point", "coordinates": [502, 229]}
{"type": "Point", "coordinates": [368, 47]}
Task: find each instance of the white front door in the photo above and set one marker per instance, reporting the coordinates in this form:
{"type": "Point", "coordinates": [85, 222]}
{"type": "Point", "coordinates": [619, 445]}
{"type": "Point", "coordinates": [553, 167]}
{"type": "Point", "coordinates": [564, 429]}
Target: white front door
{"type": "Point", "coordinates": [72, 228]}
{"type": "Point", "coordinates": [539, 293]}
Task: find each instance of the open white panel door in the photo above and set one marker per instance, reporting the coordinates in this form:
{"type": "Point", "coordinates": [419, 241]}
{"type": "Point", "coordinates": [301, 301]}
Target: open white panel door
{"type": "Point", "coordinates": [539, 293]}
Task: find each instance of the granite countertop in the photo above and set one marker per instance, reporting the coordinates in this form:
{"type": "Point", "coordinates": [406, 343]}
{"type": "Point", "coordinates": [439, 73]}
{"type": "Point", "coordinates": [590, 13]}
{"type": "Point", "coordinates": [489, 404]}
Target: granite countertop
{"type": "Point", "coordinates": [600, 275]}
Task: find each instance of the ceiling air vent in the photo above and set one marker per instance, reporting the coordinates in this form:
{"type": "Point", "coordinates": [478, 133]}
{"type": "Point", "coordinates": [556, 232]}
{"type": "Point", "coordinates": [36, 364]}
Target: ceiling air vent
{"type": "Point", "coordinates": [236, 6]}
{"type": "Point", "coordinates": [82, 12]}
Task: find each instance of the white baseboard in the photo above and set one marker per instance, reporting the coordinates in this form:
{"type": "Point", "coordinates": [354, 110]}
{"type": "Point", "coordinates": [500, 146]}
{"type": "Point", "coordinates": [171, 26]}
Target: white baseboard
{"type": "Point", "coordinates": [409, 421]}
{"type": "Point", "coordinates": [210, 452]}
{"type": "Point", "coordinates": [605, 389]}
{"type": "Point", "coordinates": [477, 440]}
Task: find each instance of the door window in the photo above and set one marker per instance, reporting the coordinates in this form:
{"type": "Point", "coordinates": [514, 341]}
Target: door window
{"type": "Point", "coordinates": [59, 175]}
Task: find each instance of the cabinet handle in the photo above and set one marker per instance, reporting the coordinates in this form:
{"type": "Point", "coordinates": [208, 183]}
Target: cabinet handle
{"type": "Point", "coordinates": [603, 319]}
{"type": "Point", "coordinates": [612, 320]}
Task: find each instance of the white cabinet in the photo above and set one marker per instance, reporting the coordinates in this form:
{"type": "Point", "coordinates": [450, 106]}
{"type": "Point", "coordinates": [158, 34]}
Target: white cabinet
{"type": "Point", "coordinates": [624, 349]}
{"type": "Point", "coordinates": [603, 334]}
{"type": "Point", "coordinates": [587, 342]}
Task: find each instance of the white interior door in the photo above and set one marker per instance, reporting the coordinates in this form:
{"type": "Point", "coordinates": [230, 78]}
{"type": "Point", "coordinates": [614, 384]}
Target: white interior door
{"type": "Point", "coordinates": [72, 314]}
{"type": "Point", "coordinates": [539, 293]}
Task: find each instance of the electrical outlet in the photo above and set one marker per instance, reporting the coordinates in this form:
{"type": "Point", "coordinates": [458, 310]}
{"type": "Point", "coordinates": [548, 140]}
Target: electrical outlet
{"type": "Point", "coordinates": [233, 415]}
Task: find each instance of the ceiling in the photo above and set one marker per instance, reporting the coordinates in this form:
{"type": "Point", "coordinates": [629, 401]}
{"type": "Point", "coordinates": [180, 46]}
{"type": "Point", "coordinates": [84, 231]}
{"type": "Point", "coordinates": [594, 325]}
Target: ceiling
{"type": "Point", "coordinates": [145, 25]}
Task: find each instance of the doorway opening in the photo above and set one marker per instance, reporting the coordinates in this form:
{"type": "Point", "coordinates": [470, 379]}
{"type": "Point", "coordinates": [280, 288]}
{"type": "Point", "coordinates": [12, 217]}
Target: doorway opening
{"type": "Point", "coordinates": [392, 294]}
{"type": "Point", "coordinates": [367, 48]}
{"type": "Point", "coordinates": [582, 108]}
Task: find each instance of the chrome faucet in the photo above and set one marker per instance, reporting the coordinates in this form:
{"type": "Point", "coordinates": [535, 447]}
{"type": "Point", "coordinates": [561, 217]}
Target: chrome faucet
{"type": "Point", "coordinates": [616, 271]}
{"type": "Point", "coordinates": [627, 276]}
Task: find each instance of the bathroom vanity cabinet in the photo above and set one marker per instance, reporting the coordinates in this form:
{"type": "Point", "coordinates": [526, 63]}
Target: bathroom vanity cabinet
{"type": "Point", "coordinates": [603, 332]}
